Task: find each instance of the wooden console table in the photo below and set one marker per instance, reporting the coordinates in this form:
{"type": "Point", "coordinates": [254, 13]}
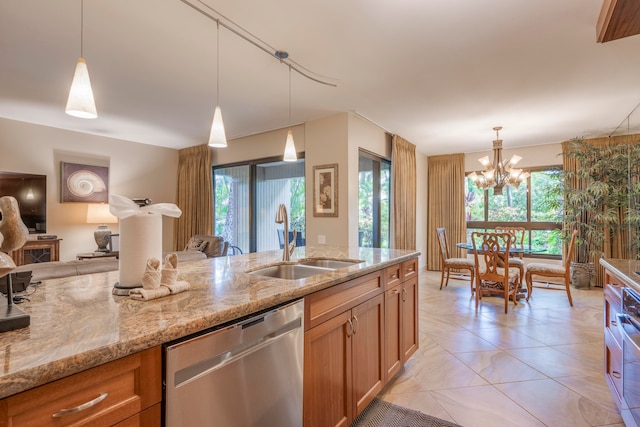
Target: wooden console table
{"type": "Point", "coordinates": [35, 251]}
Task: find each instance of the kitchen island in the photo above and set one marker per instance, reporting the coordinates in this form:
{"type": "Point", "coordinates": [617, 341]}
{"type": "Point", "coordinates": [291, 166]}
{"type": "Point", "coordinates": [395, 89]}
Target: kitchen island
{"type": "Point", "coordinates": [77, 323]}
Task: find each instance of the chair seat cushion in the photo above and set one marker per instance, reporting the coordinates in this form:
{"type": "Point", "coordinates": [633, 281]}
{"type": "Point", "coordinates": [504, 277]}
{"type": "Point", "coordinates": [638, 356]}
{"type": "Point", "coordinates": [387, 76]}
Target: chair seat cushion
{"type": "Point", "coordinates": [540, 268]}
{"type": "Point", "coordinates": [516, 262]}
{"type": "Point", "coordinates": [459, 263]}
{"type": "Point", "coordinates": [514, 273]}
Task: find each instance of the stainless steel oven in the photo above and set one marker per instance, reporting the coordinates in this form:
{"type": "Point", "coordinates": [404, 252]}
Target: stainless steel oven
{"type": "Point", "coordinates": [629, 325]}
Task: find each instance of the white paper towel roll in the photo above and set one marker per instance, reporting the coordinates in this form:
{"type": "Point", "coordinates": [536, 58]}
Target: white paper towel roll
{"type": "Point", "coordinates": [140, 239]}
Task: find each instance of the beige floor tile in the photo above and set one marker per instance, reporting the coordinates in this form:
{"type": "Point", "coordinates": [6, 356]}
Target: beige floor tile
{"type": "Point", "coordinates": [539, 364]}
{"type": "Point", "coordinates": [557, 405]}
{"type": "Point", "coordinates": [507, 338]}
{"type": "Point", "coordinates": [499, 366]}
{"type": "Point", "coordinates": [460, 341]}
{"type": "Point", "coordinates": [483, 407]}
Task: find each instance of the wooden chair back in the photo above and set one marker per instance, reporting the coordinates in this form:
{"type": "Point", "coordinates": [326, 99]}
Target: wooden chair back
{"type": "Point", "coordinates": [493, 249]}
{"type": "Point", "coordinates": [570, 250]}
{"type": "Point", "coordinates": [442, 241]}
{"type": "Point", "coordinates": [517, 237]}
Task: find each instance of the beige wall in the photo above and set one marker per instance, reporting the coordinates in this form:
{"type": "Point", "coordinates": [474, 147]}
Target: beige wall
{"type": "Point", "coordinates": [135, 170]}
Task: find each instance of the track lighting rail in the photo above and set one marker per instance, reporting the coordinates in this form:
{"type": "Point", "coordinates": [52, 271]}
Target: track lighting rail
{"type": "Point", "coordinates": [209, 12]}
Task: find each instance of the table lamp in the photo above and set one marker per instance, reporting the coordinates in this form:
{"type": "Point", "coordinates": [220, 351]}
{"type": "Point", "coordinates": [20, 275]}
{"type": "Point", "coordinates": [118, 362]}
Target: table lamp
{"type": "Point", "coordinates": [100, 214]}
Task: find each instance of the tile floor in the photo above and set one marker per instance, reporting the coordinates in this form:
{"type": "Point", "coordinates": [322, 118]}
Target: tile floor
{"type": "Point", "coordinates": [539, 365]}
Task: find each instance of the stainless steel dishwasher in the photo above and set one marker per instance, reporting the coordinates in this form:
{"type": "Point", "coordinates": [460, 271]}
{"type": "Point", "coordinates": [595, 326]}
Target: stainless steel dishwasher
{"type": "Point", "coordinates": [245, 374]}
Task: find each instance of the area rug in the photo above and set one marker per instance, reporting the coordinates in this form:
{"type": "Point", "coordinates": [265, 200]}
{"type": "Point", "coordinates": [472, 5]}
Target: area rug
{"type": "Point", "coordinates": [384, 414]}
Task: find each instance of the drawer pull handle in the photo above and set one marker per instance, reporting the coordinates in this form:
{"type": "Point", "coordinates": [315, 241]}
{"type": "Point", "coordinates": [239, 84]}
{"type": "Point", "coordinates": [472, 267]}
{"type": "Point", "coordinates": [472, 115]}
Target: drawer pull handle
{"type": "Point", "coordinates": [395, 292]}
{"type": "Point", "coordinates": [614, 323]}
{"type": "Point", "coordinates": [87, 405]}
{"type": "Point", "coordinates": [349, 328]}
{"type": "Point", "coordinates": [404, 294]}
{"type": "Point", "coordinates": [616, 374]}
{"type": "Point", "coordinates": [355, 324]}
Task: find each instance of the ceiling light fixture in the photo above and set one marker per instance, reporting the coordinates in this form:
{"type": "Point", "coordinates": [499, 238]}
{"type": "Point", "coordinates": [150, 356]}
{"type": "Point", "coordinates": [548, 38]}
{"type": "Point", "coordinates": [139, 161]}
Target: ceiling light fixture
{"type": "Point", "coordinates": [80, 102]}
{"type": "Point", "coordinates": [290, 147]}
{"type": "Point", "coordinates": [496, 175]}
{"type": "Point", "coordinates": [217, 138]}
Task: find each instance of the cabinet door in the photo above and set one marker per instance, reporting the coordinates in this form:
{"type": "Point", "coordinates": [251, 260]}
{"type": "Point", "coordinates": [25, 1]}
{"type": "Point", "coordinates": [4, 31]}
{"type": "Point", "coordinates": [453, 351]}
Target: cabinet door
{"type": "Point", "coordinates": [327, 373]}
{"type": "Point", "coordinates": [367, 342]}
{"type": "Point", "coordinates": [409, 312]}
{"type": "Point", "coordinates": [392, 333]}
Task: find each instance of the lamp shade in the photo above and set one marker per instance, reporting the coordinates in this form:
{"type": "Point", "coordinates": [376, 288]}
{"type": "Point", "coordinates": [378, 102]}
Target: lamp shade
{"type": "Point", "coordinates": [99, 214]}
{"type": "Point", "coordinates": [80, 102]}
{"type": "Point", "coordinates": [217, 138]}
{"type": "Point", "coordinates": [290, 149]}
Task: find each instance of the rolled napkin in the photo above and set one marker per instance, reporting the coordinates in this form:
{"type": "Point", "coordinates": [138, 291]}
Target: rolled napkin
{"type": "Point", "coordinates": [169, 272]}
{"type": "Point", "coordinates": [149, 294]}
{"type": "Point", "coordinates": [151, 276]}
{"type": "Point", "coordinates": [177, 287]}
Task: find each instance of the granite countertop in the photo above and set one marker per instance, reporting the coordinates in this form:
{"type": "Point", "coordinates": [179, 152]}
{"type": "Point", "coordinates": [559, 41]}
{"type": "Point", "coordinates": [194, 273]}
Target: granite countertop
{"type": "Point", "coordinates": [77, 323]}
{"type": "Point", "coordinates": [625, 269]}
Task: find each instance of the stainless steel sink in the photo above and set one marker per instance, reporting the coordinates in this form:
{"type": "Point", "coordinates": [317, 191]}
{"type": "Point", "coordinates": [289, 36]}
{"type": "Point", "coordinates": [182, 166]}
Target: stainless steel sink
{"type": "Point", "coordinates": [333, 264]}
{"type": "Point", "coordinates": [290, 271]}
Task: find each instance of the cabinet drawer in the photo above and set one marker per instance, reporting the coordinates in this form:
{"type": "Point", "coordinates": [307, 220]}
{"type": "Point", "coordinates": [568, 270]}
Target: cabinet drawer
{"type": "Point", "coordinates": [104, 395]}
{"type": "Point", "coordinates": [325, 304]}
{"type": "Point", "coordinates": [409, 269]}
{"type": "Point", "coordinates": [612, 306]}
{"type": "Point", "coordinates": [613, 366]}
{"type": "Point", "coordinates": [392, 276]}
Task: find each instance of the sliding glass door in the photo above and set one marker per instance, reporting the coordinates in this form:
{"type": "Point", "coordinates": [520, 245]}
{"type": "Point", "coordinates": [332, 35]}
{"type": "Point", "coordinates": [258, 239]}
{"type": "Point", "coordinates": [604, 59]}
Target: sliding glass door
{"type": "Point", "coordinates": [374, 176]}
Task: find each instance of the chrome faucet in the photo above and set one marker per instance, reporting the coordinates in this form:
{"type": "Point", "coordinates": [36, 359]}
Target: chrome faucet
{"type": "Point", "coordinates": [282, 217]}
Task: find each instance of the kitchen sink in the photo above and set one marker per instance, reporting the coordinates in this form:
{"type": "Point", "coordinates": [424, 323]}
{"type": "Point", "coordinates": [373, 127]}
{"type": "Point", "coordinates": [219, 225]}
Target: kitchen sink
{"type": "Point", "coordinates": [333, 264]}
{"type": "Point", "coordinates": [290, 271]}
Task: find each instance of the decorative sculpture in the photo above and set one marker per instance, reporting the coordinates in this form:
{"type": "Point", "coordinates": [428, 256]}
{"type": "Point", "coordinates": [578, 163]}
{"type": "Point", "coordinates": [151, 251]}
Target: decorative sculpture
{"type": "Point", "coordinates": [13, 235]}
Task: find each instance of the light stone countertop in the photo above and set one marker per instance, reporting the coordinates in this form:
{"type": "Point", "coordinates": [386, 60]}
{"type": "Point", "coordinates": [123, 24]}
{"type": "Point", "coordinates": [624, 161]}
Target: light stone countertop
{"type": "Point", "coordinates": [625, 269]}
{"type": "Point", "coordinates": [77, 323]}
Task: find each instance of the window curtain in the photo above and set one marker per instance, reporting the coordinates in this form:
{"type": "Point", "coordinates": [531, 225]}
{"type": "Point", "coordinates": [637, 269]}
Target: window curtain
{"type": "Point", "coordinates": [194, 194]}
{"type": "Point", "coordinates": [620, 245]}
{"type": "Point", "coordinates": [446, 201]}
{"type": "Point", "coordinates": [403, 165]}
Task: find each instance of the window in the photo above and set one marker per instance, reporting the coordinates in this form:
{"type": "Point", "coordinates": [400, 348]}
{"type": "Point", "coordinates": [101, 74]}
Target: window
{"type": "Point", "coordinates": [531, 205]}
{"type": "Point", "coordinates": [247, 196]}
{"type": "Point", "coordinates": [374, 177]}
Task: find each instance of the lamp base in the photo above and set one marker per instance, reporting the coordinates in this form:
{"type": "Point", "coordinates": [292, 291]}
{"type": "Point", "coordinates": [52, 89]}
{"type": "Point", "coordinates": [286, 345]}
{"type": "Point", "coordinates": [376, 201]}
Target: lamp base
{"type": "Point", "coordinates": [12, 318]}
{"type": "Point", "coordinates": [102, 236]}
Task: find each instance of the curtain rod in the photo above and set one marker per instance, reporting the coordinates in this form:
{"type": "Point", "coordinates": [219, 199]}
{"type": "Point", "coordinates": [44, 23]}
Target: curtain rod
{"type": "Point", "coordinates": [256, 41]}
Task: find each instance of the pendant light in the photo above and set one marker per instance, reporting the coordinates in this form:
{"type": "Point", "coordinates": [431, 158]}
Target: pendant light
{"type": "Point", "coordinates": [80, 102]}
{"type": "Point", "coordinates": [217, 138]}
{"type": "Point", "coordinates": [290, 147]}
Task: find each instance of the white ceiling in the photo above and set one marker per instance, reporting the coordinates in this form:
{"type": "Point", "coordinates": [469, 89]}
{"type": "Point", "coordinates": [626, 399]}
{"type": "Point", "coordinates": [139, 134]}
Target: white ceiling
{"type": "Point", "coordinates": [440, 73]}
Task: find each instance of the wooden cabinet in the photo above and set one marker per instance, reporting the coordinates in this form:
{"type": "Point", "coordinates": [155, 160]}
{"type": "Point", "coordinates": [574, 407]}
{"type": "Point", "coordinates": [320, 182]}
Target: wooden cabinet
{"type": "Point", "coordinates": [612, 338]}
{"type": "Point", "coordinates": [125, 392]}
{"type": "Point", "coordinates": [358, 335]}
{"type": "Point", "coordinates": [343, 366]}
{"type": "Point", "coordinates": [401, 315]}
{"type": "Point", "coordinates": [35, 251]}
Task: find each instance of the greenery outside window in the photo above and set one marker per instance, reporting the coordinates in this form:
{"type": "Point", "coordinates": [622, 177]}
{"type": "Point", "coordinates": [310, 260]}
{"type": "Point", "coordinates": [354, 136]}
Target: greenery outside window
{"type": "Point", "coordinates": [528, 206]}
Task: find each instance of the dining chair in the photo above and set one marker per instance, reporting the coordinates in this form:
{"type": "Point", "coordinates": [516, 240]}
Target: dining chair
{"type": "Point", "coordinates": [492, 278]}
{"type": "Point", "coordinates": [447, 263]}
{"type": "Point", "coordinates": [517, 242]}
{"type": "Point", "coordinates": [553, 270]}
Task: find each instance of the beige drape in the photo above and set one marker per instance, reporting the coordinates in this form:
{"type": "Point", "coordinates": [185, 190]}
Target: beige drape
{"type": "Point", "coordinates": [194, 194]}
{"type": "Point", "coordinates": [403, 161]}
{"type": "Point", "coordinates": [620, 246]}
{"type": "Point", "coordinates": [445, 178]}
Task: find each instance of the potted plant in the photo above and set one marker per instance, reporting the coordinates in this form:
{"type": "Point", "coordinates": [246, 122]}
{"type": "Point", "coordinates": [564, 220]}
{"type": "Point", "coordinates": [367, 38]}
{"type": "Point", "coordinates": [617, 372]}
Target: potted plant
{"type": "Point", "coordinates": [600, 201]}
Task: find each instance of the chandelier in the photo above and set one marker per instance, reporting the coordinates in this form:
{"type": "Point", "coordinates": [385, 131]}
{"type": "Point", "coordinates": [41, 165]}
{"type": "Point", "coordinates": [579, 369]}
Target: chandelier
{"type": "Point", "coordinates": [496, 175]}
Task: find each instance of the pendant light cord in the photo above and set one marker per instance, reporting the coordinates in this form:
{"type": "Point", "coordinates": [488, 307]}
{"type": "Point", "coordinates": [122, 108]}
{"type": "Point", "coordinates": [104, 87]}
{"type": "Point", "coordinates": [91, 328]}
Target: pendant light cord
{"type": "Point", "coordinates": [81, 28]}
{"type": "Point", "coordinates": [289, 95]}
{"type": "Point", "coordinates": [218, 64]}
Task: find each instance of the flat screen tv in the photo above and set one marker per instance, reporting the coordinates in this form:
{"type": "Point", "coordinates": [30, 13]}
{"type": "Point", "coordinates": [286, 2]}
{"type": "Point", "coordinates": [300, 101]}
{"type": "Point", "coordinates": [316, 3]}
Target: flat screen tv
{"type": "Point", "coordinates": [31, 193]}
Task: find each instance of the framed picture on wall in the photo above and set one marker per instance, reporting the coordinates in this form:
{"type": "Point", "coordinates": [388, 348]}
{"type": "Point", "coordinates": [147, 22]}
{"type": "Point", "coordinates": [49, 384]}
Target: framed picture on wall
{"type": "Point", "coordinates": [325, 190]}
{"type": "Point", "coordinates": [84, 183]}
